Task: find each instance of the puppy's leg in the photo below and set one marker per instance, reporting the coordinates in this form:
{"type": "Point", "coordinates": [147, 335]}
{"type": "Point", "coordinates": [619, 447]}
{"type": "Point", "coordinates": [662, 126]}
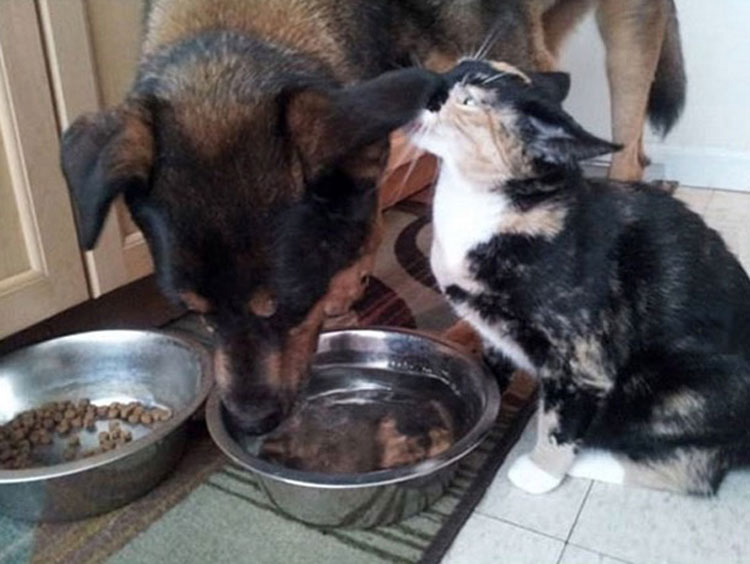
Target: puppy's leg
{"type": "Point", "coordinates": [463, 334]}
{"type": "Point", "coordinates": [633, 31]}
{"type": "Point", "coordinates": [348, 286]}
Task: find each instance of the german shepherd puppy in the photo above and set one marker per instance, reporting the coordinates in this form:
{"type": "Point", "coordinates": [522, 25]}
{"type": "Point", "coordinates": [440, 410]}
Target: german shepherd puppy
{"type": "Point", "coordinates": [248, 152]}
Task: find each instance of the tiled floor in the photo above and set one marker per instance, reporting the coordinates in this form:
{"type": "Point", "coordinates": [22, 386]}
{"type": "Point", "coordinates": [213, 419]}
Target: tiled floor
{"type": "Point", "coordinates": [585, 523]}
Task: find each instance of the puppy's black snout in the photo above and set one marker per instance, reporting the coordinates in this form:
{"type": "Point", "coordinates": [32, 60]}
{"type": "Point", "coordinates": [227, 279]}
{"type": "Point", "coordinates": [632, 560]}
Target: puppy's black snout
{"type": "Point", "coordinates": [257, 418]}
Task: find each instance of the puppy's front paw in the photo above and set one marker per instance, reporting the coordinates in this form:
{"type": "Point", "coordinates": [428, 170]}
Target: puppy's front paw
{"type": "Point", "coordinates": [347, 321]}
{"type": "Point", "coordinates": [526, 475]}
{"type": "Point", "coordinates": [463, 334]}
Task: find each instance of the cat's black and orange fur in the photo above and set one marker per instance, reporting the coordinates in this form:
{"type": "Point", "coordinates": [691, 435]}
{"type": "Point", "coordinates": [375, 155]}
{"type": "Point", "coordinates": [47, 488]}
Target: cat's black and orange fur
{"type": "Point", "coordinates": [632, 312]}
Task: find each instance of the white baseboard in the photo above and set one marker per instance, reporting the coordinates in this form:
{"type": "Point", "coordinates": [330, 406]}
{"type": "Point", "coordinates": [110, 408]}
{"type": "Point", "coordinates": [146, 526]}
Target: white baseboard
{"type": "Point", "coordinates": [703, 167]}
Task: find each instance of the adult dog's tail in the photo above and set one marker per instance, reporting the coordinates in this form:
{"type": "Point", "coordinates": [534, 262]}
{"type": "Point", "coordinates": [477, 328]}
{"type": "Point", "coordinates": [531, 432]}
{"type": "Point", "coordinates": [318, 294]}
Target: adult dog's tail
{"type": "Point", "coordinates": [667, 96]}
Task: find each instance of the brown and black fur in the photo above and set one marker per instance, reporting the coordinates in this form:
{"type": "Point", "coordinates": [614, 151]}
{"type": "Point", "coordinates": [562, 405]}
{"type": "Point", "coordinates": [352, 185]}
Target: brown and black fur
{"type": "Point", "coordinates": [248, 152]}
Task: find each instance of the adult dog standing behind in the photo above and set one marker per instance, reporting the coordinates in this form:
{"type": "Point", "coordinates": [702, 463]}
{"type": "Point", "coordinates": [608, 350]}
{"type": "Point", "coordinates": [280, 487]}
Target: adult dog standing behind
{"type": "Point", "coordinates": [645, 67]}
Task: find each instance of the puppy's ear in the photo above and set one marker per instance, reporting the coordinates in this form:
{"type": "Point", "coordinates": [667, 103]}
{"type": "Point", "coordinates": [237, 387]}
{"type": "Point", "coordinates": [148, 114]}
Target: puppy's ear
{"type": "Point", "coordinates": [556, 138]}
{"type": "Point", "coordinates": [554, 85]}
{"type": "Point", "coordinates": [103, 155]}
{"type": "Point", "coordinates": [331, 124]}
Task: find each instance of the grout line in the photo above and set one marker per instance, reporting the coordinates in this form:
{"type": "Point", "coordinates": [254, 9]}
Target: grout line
{"type": "Point", "coordinates": [580, 510]}
{"type": "Point", "coordinates": [528, 529]}
{"type": "Point", "coordinates": [575, 521]}
{"type": "Point", "coordinates": [597, 551]}
{"type": "Point", "coordinates": [562, 553]}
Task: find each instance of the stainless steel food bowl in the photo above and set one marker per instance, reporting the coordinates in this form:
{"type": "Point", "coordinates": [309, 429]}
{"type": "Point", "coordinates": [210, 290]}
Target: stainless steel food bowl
{"type": "Point", "coordinates": [156, 369]}
{"type": "Point", "coordinates": [359, 365]}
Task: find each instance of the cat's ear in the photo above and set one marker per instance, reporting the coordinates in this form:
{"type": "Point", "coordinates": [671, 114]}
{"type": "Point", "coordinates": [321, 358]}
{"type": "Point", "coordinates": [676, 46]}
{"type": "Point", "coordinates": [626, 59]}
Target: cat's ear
{"type": "Point", "coordinates": [331, 124]}
{"type": "Point", "coordinates": [557, 138]}
{"type": "Point", "coordinates": [555, 85]}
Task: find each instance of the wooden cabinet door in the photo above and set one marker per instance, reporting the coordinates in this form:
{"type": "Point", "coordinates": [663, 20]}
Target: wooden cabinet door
{"type": "Point", "coordinates": [93, 48]}
{"type": "Point", "coordinates": [41, 271]}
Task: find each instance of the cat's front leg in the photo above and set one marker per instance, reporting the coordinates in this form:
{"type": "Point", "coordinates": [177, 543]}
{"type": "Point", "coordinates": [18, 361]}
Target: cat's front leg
{"type": "Point", "coordinates": [545, 467]}
{"type": "Point", "coordinates": [566, 411]}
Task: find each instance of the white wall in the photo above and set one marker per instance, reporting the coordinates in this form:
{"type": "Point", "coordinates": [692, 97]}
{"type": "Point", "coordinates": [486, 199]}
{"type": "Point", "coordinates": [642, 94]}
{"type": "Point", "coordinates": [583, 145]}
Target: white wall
{"type": "Point", "coordinates": [710, 145]}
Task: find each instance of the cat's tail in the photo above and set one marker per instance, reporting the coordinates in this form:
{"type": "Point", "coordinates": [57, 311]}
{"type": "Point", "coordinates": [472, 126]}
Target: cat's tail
{"type": "Point", "coordinates": [669, 89]}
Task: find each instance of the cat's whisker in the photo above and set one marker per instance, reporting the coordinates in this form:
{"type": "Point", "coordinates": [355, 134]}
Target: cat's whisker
{"type": "Point", "coordinates": [485, 46]}
{"type": "Point", "coordinates": [493, 78]}
{"type": "Point", "coordinates": [489, 42]}
{"type": "Point", "coordinates": [412, 149]}
{"type": "Point", "coordinates": [436, 173]}
{"type": "Point", "coordinates": [415, 159]}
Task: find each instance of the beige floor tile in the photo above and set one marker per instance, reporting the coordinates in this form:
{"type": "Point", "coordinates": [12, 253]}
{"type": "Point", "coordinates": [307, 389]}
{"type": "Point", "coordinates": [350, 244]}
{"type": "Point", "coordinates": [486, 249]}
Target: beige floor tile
{"type": "Point", "coordinates": [729, 214]}
{"type": "Point", "coordinates": [576, 555]}
{"type": "Point", "coordinates": [697, 199]}
{"type": "Point", "coordinates": [484, 540]}
{"type": "Point", "coordinates": [647, 527]}
{"type": "Point", "coordinates": [553, 513]}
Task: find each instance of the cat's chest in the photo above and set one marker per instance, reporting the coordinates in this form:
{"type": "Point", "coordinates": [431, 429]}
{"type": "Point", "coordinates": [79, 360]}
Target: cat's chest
{"type": "Point", "coordinates": [463, 219]}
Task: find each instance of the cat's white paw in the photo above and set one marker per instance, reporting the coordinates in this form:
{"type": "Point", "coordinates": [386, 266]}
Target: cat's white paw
{"type": "Point", "coordinates": [598, 465]}
{"type": "Point", "coordinates": [526, 475]}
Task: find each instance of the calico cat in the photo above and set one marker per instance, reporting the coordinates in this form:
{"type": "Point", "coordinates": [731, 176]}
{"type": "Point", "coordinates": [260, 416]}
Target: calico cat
{"type": "Point", "coordinates": [631, 312]}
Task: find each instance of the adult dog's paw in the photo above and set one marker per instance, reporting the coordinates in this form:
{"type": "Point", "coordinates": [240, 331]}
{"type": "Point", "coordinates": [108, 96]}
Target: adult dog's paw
{"type": "Point", "coordinates": [526, 475]}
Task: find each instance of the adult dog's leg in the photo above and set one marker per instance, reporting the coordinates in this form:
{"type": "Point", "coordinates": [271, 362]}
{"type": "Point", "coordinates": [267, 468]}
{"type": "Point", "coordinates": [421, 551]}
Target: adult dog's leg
{"type": "Point", "coordinates": [560, 20]}
{"type": "Point", "coordinates": [633, 31]}
{"type": "Point", "coordinates": [543, 58]}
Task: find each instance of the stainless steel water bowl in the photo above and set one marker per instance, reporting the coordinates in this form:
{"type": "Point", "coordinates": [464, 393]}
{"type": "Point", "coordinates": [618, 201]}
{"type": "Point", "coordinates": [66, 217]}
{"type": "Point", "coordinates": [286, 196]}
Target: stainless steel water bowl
{"type": "Point", "coordinates": [156, 369]}
{"type": "Point", "coordinates": [366, 365]}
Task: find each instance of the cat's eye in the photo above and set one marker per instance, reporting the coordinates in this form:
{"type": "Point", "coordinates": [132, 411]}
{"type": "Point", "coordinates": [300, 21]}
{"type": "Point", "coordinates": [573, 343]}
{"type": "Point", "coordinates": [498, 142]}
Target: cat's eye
{"type": "Point", "coordinates": [468, 100]}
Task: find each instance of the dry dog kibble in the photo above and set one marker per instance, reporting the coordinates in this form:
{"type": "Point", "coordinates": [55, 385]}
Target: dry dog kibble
{"type": "Point", "coordinates": [159, 414]}
{"type": "Point", "coordinates": [36, 428]}
{"type": "Point", "coordinates": [63, 428]}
